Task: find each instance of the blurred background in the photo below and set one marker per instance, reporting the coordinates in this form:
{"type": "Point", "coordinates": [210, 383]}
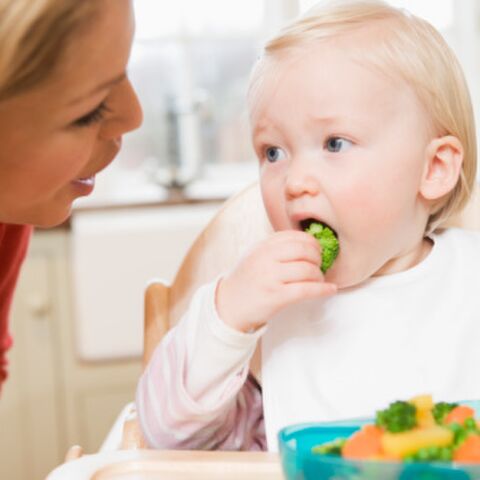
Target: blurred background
{"type": "Point", "coordinates": [78, 313]}
{"type": "Point", "coordinates": [191, 63]}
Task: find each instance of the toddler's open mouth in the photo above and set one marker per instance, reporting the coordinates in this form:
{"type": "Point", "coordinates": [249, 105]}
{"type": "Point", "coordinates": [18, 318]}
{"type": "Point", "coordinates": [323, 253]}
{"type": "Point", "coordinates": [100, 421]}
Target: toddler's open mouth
{"type": "Point", "coordinates": [326, 237]}
{"type": "Point", "coordinates": [305, 224]}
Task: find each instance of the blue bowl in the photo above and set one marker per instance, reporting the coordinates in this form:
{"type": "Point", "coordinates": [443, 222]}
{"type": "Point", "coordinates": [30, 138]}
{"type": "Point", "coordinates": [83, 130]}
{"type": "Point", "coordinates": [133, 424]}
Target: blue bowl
{"type": "Point", "coordinates": [299, 463]}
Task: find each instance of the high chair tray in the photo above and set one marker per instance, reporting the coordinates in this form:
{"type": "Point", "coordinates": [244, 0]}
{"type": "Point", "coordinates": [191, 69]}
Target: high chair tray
{"type": "Point", "coordinates": [171, 465]}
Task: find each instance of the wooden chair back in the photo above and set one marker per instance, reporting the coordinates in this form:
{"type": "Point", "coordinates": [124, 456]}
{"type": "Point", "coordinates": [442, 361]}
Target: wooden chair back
{"type": "Point", "coordinates": [239, 224]}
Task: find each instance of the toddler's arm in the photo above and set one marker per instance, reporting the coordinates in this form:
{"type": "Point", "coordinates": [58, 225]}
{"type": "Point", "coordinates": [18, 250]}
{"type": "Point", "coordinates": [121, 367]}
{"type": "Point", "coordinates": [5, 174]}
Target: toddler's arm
{"type": "Point", "coordinates": [195, 393]}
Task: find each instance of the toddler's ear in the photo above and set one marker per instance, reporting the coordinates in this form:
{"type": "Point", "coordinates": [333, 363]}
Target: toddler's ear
{"type": "Point", "coordinates": [443, 163]}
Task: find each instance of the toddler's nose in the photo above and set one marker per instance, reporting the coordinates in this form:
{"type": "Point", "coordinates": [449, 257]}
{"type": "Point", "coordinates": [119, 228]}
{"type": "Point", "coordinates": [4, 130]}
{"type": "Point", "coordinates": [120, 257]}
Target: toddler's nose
{"type": "Point", "coordinates": [301, 182]}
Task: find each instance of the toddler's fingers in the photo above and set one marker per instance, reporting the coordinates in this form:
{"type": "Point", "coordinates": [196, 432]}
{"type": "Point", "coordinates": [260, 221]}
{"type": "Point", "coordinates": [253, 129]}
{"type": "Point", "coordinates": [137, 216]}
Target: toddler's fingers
{"type": "Point", "coordinates": [300, 271]}
{"type": "Point", "coordinates": [294, 292]}
{"type": "Point", "coordinates": [298, 251]}
{"type": "Point", "coordinates": [293, 236]}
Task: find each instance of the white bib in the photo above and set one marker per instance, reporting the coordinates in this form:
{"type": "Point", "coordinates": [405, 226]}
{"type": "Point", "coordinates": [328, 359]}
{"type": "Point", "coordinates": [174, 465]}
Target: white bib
{"type": "Point", "coordinates": [391, 338]}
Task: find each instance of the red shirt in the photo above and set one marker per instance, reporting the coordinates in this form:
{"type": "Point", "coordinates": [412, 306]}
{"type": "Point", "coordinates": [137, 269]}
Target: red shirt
{"type": "Point", "coordinates": [13, 248]}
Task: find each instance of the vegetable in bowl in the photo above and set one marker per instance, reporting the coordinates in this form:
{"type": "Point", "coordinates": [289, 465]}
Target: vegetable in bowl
{"type": "Point", "coordinates": [417, 430]}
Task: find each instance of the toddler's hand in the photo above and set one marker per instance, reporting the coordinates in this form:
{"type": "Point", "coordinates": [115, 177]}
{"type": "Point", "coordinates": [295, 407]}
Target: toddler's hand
{"type": "Point", "coordinates": [279, 271]}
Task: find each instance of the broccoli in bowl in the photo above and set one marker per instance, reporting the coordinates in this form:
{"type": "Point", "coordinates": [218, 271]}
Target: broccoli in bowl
{"type": "Point", "coordinates": [417, 430]}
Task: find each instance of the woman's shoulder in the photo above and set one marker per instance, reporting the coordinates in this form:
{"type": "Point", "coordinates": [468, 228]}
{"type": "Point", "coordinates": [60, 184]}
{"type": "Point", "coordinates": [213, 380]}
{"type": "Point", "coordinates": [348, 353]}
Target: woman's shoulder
{"type": "Point", "coordinates": [14, 241]}
{"type": "Point", "coordinates": [11, 235]}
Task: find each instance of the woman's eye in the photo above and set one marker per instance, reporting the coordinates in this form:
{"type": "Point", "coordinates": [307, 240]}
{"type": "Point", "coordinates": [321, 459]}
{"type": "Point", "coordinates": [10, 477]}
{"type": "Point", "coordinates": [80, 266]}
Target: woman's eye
{"type": "Point", "coordinates": [92, 117]}
{"type": "Point", "coordinates": [337, 144]}
{"type": "Point", "coordinates": [273, 154]}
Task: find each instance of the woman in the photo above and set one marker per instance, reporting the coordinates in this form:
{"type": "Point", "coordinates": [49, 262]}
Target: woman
{"type": "Point", "coordinates": [65, 101]}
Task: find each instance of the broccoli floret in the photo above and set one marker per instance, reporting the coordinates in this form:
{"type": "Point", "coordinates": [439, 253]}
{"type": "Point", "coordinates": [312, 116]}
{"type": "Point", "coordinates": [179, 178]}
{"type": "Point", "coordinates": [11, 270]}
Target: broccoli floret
{"type": "Point", "coordinates": [330, 448]}
{"type": "Point", "coordinates": [431, 454]}
{"type": "Point", "coordinates": [328, 241]}
{"type": "Point", "coordinates": [441, 410]}
{"type": "Point", "coordinates": [461, 432]}
{"type": "Point", "coordinates": [398, 417]}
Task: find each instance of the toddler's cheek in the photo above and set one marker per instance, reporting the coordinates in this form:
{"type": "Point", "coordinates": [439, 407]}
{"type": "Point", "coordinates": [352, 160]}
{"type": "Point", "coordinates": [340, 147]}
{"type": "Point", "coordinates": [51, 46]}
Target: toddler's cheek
{"type": "Point", "coordinates": [278, 220]}
{"type": "Point", "coordinates": [276, 211]}
{"type": "Point", "coordinates": [367, 202]}
{"type": "Point", "coordinates": [363, 195]}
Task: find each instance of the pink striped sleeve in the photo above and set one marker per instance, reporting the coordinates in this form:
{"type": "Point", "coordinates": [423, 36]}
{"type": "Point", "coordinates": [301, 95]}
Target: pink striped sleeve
{"type": "Point", "coordinates": [229, 416]}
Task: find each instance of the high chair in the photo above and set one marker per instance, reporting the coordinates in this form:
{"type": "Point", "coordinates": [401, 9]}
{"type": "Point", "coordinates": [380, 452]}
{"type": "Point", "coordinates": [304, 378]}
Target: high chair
{"type": "Point", "coordinates": [239, 224]}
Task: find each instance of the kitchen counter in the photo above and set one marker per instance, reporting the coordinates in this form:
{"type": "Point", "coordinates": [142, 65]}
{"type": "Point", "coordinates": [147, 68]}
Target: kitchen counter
{"type": "Point", "coordinates": [173, 198]}
{"type": "Point", "coordinates": [134, 189]}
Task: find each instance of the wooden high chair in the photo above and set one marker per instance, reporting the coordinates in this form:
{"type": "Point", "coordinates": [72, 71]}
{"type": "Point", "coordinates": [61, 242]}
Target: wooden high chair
{"type": "Point", "coordinates": [239, 224]}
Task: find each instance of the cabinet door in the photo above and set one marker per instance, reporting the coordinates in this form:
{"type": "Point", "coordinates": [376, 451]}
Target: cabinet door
{"type": "Point", "coordinates": [114, 255]}
{"type": "Point", "coordinates": [30, 427]}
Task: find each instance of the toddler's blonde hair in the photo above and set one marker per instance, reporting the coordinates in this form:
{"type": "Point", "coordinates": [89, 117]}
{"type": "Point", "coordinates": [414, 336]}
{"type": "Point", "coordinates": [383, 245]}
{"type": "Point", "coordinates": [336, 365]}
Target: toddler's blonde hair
{"type": "Point", "coordinates": [408, 48]}
{"type": "Point", "coordinates": [33, 36]}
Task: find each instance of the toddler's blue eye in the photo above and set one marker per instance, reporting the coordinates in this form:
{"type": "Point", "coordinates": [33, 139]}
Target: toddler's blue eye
{"type": "Point", "coordinates": [273, 154]}
{"type": "Point", "coordinates": [336, 144]}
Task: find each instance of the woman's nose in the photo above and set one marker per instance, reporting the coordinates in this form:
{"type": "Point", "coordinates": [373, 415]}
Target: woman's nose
{"type": "Point", "coordinates": [301, 180]}
{"type": "Point", "coordinates": [126, 114]}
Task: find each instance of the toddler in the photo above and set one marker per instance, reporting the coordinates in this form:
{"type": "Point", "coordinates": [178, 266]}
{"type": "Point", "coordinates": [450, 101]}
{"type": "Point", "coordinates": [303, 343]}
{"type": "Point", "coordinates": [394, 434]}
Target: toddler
{"type": "Point", "coordinates": [361, 121]}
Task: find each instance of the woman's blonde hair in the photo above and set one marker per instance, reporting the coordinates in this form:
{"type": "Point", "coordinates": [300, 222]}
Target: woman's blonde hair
{"type": "Point", "coordinates": [33, 36]}
{"type": "Point", "coordinates": [408, 48]}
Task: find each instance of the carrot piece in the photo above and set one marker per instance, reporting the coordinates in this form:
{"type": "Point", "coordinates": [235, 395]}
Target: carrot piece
{"type": "Point", "coordinates": [469, 450]}
{"type": "Point", "coordinates": [363, 444]}
{"type": "Point", "coordinates": [459, 414]}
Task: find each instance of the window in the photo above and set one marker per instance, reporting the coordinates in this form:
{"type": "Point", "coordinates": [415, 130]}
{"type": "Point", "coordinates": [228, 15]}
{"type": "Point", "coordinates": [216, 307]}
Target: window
{"type": "Point", "coordinates": [190, 65]}
{"type": "Point", "coordinates": [191, 62]}
{"type": "Point", "coordinates": [438, 12]}
{"type": "Point", "coordinates": [209, 17]}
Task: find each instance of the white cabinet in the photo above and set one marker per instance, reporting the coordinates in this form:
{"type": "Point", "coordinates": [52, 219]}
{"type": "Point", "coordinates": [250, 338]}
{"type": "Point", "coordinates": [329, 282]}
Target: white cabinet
{"type": "Point", "coordinates": [51, 399]}
{"type": "Point", "coordinates": [114, 255]}
{"type": "Point", "coordinates": [31, 434]}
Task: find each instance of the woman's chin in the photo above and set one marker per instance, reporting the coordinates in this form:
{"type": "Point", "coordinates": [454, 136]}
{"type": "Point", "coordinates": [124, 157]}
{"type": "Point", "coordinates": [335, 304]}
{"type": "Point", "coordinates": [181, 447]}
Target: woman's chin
{"type": "Point", "coordinates": [50, 217]}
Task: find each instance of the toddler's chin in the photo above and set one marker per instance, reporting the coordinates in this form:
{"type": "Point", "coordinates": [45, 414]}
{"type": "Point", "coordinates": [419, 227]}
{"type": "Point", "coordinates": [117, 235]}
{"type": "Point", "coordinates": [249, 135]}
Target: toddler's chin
{"type": "Point", "coordinates": [344, 277]}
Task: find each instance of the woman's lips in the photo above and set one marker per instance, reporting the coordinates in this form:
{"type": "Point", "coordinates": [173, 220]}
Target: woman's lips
{"type": "Point", "coordinates": [84, 186]}
{"type": "Point", "coordinates": [90, 181]}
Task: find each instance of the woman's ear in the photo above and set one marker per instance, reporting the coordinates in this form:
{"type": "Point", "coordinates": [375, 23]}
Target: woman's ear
{"type": "Point", "coordinates": [443, 163]}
